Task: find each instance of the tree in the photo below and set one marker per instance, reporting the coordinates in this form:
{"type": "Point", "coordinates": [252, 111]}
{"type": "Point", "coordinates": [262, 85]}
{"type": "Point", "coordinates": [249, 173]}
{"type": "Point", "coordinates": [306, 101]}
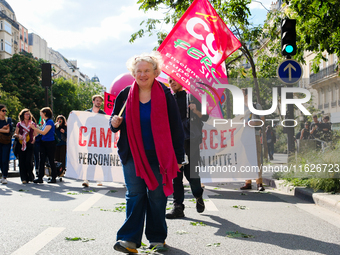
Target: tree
{"type": "Point", "coordinates": [20, 76]}
{"type": "Point", "coordinates": [85, 91]}
{"type": "Point", "coordinates": [12, 103]}
{"type": "Point", "coordinates": [65, 97]}
{"type": "Point", "coordinates": [317, 25]}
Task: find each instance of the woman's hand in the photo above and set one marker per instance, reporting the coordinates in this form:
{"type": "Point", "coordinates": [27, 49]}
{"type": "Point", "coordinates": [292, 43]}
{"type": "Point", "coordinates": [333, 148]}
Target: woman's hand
{"type": "Point", "coordinates": [20, 137]}
{"type": "Point", "coordinates": [179, 166]}
{"type": "Point", "coordinates": [62, 130]}
{"type": "Point", "coordinates": [33, 126]}
{"type": "Point", "coordinates": [116, 121]}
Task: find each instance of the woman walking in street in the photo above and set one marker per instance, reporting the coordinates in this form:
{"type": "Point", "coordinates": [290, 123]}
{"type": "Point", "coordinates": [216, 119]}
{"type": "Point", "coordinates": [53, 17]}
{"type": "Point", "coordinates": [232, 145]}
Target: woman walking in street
{"type": "Point", "coordinates": [151, 148]}
{"type": "Point", "coordinates": [47, 145]}
{"type": "Point", "coordinates": [25, 134]}
{"type": "Point", "coordinates": [5, 142]}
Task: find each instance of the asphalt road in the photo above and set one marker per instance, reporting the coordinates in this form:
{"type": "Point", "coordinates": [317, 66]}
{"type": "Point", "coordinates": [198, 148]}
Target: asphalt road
{"type": "Point", "coordinates": [39, 218]}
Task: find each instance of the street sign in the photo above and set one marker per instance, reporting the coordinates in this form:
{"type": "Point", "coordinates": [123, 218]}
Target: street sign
{"type": "Point", "coordinates": [289, 71]}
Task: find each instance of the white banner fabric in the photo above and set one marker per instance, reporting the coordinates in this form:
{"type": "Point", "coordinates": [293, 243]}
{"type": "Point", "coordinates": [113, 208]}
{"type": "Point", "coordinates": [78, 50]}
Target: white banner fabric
{"type": "Point", "coordinates": [228, 151]}
{"type": "Point", "coordinates": [92, 148]}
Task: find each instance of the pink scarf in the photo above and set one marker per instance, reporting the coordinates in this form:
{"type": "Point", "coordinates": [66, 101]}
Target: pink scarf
{"type": "Point", "coordinates": [26, 130]}
{"type": "Point", "coordinates": [162, 137]}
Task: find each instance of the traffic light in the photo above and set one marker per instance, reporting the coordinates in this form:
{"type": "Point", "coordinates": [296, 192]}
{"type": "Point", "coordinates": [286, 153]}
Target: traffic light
{"type": "Point", "coordinates": [288, 37]}
{"type": "Point", "coordinates": [46, 74]}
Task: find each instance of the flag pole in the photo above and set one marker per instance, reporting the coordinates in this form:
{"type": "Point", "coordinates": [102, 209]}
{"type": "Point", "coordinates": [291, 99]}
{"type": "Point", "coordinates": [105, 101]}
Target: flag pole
{"type": "Point", "coordinates": [122, 110]}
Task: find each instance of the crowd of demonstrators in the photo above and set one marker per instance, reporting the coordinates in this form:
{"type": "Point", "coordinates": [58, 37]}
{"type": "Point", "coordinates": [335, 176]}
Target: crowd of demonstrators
{"type": "Point", "coordinates": [61, 132]}
{"type": "Point", "coordinates": [5, 142]}
{"type": "Point", "coordinates": [97, 101]}
{"type": "Point", "coordinates": [151, 149]}
{"type": "Point", "coordinates": [26, 137]}
{"type": "Point", "coordinates": [190, 110]}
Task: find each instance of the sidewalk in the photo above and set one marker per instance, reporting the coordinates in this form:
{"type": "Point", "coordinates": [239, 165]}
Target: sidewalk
{"type": "Point", "coordinates": [320, 198]}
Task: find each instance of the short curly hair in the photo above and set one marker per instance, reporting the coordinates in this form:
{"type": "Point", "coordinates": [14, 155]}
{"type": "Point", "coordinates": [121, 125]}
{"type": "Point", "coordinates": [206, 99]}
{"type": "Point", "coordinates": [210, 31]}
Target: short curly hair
{"type": "Point", "coordinates": [155, 58]}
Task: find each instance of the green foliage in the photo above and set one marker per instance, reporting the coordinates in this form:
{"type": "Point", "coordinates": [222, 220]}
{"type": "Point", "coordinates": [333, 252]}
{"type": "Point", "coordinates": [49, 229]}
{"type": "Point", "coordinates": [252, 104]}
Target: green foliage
{"type": "Point", "coordinates": [85, 91]}
{"type": "Point", "coordinates": [65, 98]}
{"type": "Point", "coordinates": [12, 103]}
{"type": "Point", "coordinates": [20, 76]}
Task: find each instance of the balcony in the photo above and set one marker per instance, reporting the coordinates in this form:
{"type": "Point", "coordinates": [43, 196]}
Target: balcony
{"type": "Point", "coordinates": [326, 105]}
{"type": "Point", "coordinates": [333, 104]}
{"type": "Point", "coordinates": [320, 106]}
{"type": "Point", "coordinates": [332, 69]}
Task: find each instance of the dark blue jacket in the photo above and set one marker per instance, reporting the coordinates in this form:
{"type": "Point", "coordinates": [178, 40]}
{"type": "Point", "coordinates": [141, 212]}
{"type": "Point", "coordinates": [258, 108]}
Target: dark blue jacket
{"type": "Point", "coordinates": [175, 122]}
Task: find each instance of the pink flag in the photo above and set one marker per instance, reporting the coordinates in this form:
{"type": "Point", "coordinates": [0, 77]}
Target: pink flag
{"type": "Point", "coordinates": [194, 50]}
{"type": "Point", "coordinates": [109, 101]}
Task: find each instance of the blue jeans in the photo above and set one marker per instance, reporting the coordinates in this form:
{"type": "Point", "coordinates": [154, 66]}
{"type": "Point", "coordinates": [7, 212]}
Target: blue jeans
{"type": "Point", "coordinates": [142, 202]}
{"type": "Point", "coordinates": [4, 159]}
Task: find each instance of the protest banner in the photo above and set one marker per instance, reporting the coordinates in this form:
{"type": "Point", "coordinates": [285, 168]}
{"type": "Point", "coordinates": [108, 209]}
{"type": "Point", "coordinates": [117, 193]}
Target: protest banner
{"type": "Point", "coordinates": [194, 50]}
{"type": "Point", "coordinates": [92, 148]}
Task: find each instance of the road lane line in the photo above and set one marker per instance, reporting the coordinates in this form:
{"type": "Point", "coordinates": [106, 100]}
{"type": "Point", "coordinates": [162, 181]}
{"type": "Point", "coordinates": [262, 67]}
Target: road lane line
{"type": "Point", "coordinates": [37, 243]}
{"type": "Point", "coordinates": [209, 204]}
{"type": "Point", "coordinates": [90, 201]}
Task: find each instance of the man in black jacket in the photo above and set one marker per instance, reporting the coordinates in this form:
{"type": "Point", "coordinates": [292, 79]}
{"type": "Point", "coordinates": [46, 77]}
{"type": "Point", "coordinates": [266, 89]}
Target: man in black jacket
{"type": "Point", "coordinates": [190, 110]}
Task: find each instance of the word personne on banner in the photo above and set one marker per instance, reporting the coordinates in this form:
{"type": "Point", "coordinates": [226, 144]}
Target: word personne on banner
{"type": "Point", "coordinates": [91, 147]}
{"type": "Point", "coordinates": [227, 153]}
{"type": "Point", "coordinates": [195, 48]}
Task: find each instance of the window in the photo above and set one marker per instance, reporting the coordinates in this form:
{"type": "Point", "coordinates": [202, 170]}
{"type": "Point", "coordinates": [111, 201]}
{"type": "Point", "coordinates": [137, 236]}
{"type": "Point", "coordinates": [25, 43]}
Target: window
{"type": "Point", "coordinates": [8, 27]}
{"type": "Point", "coordinates": [2, 45]}
{"type": "Point", "coordinates": [8, 47]}
{"type": "Point", "coordinates": [1, 25]}
{"type": "Point", "coordinates": [335, 57]}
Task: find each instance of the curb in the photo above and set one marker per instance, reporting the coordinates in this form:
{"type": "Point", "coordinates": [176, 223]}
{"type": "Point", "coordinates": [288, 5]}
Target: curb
{"type": "Point", "coordinates": [325, 200]}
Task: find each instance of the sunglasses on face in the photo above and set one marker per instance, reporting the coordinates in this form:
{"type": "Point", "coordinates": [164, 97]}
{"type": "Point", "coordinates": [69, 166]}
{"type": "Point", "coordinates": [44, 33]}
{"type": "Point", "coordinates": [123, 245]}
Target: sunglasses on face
{"type": "Point", "coordinates": [4, 110]}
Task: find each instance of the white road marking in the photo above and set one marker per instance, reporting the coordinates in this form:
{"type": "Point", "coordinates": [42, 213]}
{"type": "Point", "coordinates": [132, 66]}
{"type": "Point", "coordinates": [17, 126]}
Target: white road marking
{"type": "Point", "coordinates": [209, 204]}
{"type": "Point", "coordinates": [90, 201]}
{"type": "Point", "coordinates": [37, 243]}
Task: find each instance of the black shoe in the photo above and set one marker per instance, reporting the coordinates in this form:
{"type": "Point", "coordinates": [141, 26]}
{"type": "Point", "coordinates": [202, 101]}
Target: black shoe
{"type": "Point", "coordinates": [246, 186]}
{"type": "Point", "coordinates": [176, 212]}
{"type": "Point", "coordinates": [200, 205]}
{"type": "Point", "coordinates": [38, 180]}
{"type": "Point", "coordinates": [260, 187]}
{"type": "Point", "coordinates": [52, 181]}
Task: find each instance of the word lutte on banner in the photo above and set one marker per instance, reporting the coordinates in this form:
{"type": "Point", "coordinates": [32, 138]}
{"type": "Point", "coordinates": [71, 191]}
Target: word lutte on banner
{"type": "Point", "coordinates": [195, 49]}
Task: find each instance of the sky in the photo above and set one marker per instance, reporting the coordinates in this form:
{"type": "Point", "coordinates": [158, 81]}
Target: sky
{"type": "Point", "coordinates": [96, 33]}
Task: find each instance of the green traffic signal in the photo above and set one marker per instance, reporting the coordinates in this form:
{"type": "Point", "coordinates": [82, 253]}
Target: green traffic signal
{"type": "Point", "coordinates": [289, 48]}
{"type": "Point", "coordinates": [288, 37]}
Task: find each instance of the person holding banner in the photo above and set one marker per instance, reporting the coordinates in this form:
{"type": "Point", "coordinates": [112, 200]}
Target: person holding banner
{"type": "Point", "coordinates": [254, 120]}
{"type": "Point", "coordinates": [190, 111]}
{"type": "Point", "coordinates": [151, 149]}
{"type": "Point", "coordinates": [47, 145]}
{"type": "Point", "coordinates": [97, 101]}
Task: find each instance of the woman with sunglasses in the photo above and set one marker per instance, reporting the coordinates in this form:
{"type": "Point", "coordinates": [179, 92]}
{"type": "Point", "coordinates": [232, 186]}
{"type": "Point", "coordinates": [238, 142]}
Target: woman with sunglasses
{"type": "Point", "coordinates": [47, 145]}
{"type": "Point", "coordinates": [25, 134]}
{"type": "Point", "coordinates": [61, 131]}
{"type": "Point", "coordinates": [151, 148]}
{"type": "Point", "coordinates": [5, 144]}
